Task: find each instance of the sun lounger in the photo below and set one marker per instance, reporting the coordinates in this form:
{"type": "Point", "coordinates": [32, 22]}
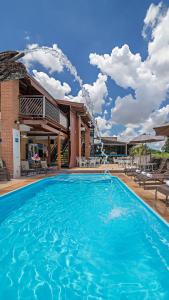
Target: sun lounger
{"type": "Point", "coordinates": [140, 174]}
{"type": "Point", "coordinates": [154, 178]}
{"type": "Point", "coordinates": [130, 171]}
{"type": "Point", "coordinates": [163, 189]}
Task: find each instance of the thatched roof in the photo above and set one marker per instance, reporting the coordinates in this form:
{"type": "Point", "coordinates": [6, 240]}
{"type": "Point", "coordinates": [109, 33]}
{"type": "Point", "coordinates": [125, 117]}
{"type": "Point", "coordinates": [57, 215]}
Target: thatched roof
{"type": "Point", "coordinates": [10, 69]}
{"type": "Point", "coordinates": [162, 129]}
{"type": "Point", "coordinates": [146, 138]}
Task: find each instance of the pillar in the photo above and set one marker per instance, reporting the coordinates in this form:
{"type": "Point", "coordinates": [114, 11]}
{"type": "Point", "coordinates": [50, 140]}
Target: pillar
{"type": "Point", "coordinates": [126, 148]}
{"type": "Point", "coordinates": [79, 137]}
{"type": "Point", "coordinates": [59, 152]}
{"type": "Point", "coordinates": [9, 116]}
{"type": "Point", "coordinates": [48, 148]}
{"type": "Point", "coordinates": [87, 142]}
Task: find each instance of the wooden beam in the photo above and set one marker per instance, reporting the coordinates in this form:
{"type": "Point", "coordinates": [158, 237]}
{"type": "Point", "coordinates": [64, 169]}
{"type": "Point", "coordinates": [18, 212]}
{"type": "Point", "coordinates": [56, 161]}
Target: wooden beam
{"type": "Point", "coordinates": [43, 125]}
{"type": "Point", "coordinates": [33, 122]}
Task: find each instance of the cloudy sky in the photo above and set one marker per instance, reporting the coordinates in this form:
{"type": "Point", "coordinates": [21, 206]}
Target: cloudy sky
{"type": "Point", "coordinates": [120, 50]}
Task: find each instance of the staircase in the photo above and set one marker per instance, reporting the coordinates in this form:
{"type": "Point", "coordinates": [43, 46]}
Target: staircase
{"type": "Point", "coordinates": [64, 154]}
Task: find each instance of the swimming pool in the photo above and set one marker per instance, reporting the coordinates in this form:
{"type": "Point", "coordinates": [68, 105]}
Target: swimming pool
{"type": "Point", "coordinates": [81, 237]}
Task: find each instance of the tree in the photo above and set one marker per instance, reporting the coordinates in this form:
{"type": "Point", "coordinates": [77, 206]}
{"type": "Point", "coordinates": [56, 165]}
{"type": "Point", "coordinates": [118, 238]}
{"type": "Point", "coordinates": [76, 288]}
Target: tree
{"type": "Point", "coordinates": [165, 148]}
{"type": "Point", "coordinates": [139, 150]}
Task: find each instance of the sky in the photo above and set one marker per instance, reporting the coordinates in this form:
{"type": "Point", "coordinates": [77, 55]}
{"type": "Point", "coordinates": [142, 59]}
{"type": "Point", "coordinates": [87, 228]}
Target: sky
{"type": "Point", "coordinates": [119, 48]}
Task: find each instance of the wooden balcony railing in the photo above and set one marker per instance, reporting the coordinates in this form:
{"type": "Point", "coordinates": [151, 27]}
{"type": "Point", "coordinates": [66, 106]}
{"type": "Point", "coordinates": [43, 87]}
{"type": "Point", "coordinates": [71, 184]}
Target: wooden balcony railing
{"type": "Point", "coordinates": [40, 107]}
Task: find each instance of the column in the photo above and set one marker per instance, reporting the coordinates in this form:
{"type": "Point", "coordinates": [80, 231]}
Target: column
{"type": "Point", "coordinates": [79, 137]}
{"type": "Point", "coordinates": [59, 152]}
{"type": "Point", "coordinates": [48, 147]}
{"type": "Point", "coordinates": [87, 142]}
{"type": "Point", "coordinates": [126, 149]}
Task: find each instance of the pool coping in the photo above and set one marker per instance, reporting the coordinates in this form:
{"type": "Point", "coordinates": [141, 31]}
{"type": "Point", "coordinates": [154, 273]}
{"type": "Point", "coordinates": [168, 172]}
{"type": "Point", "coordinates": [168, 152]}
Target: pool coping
{"type": "Point", "coordinates": [155, 213]}
{"type": "Point", "coordinates": [144, 203]}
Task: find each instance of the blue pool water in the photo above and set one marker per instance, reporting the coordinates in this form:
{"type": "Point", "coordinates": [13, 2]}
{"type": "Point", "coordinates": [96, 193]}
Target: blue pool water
{"type": "Point", "coordinates": [81, 237]}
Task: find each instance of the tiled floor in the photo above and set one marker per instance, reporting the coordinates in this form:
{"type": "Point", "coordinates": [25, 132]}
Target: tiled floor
{"type": "Point", "coordinates": [147, 195]}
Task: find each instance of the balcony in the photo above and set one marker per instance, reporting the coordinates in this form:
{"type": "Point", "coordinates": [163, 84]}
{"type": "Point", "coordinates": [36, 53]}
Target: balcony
{"type": "Point", "coordinates": [38, 107]}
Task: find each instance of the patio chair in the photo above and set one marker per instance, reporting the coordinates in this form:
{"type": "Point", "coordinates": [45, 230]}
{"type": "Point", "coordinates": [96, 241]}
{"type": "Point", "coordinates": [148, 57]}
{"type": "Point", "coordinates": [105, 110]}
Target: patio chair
{"type": "Point", "coordinates": [44, 167]}
{"type": "Point", "coordinates": [4, 172]}
{"type": "Point", "coordinates": [92, 162]}
{"type": "Point", "coordinates": [77, 161]}
{"type": "Point", "coordinates": [25, 169]}
{"type": "Point", "coordinates": [81, 162]}
{"type": "Point", "coordinates": [98, 160]}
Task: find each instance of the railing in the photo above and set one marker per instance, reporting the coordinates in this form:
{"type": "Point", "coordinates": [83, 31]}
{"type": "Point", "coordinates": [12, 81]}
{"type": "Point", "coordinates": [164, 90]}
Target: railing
{"type": "Point", "coordinates": [40, 107]}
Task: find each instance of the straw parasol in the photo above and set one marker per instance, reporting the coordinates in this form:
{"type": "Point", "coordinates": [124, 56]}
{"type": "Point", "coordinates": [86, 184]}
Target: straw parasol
{"type": "Point", "coordinates": [162, 129]}
{"type": "Point", "coordinates": [146, 138]}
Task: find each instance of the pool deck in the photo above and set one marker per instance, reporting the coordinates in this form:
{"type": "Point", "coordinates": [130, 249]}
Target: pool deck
{"type": "Point", "coordinates": [147, 195]}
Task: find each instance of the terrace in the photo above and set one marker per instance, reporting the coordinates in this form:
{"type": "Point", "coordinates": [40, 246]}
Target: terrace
{"type": "Point", "coordinates": [37, 107]}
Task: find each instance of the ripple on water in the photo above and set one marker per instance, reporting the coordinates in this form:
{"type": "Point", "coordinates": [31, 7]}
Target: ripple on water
{"type": "Point", "coordinates": [76, 238]}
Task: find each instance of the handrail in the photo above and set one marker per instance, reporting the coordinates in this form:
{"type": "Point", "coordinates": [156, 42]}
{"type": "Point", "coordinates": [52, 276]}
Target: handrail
{"type": "Point", "coordinates": [40, 107]}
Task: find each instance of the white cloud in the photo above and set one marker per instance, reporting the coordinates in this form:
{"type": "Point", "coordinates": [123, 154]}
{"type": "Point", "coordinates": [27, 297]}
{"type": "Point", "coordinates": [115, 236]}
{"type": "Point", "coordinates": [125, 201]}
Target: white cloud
{"type": "Point", "coordinates": [46, 59]}
{"type": "Point", "coordinates": [97, 92]}
{"type": "Point", "coordinates": [149, 78]}
{"type": "Point", "coordinates": [128, 134]}
{"type": "Point", "coordinates": [156, 118]}
{"type": "Point", "coordinates": [103, 124]}
{"type": "Point", "coordinates": [53, 86]}
{"type": "Point", "coordinates": [121, 65]}
{"type": "Point", "coordinates": [152, 17]}
{"type": "Point", "coordinates": [158, 49]}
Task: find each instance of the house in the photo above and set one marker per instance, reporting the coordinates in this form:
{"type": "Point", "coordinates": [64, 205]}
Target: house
{"type": "Point", "coordinates": [112, 147]}
{"type": "Point", "coordinates": [32, 121]}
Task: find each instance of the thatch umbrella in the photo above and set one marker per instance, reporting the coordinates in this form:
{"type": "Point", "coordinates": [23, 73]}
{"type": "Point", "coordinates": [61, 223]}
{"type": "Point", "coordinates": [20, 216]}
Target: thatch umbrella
{"type": "Point", "coordinates": [162, 129]}
{"type": "Point", "coordinates": [146, 138]}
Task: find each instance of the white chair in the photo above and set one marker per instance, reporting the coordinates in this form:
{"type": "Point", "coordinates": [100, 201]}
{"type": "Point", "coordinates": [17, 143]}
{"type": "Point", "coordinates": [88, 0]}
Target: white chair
{"type": "Point", "coordinates": [77, 161]}
{"type": "Point", "coordinates": [82, 162]}
{"type": "Point", "coordinates": [92, 162]}
{"type": "Point", "coordinates": [98, 161]}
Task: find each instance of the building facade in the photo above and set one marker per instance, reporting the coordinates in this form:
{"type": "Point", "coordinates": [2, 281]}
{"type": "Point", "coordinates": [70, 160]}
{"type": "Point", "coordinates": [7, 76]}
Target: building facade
{"type": "Point", "coordinates": [32, 121]}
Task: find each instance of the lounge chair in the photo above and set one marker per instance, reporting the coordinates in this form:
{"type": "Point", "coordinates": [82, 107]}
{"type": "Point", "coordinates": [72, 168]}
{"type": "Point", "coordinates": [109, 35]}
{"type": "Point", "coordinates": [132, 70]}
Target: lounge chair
{"type": "Point", "coordinates": [163, 189]}
{"type": "Point", "coordinates": [130, 171]}
{"type": "Point", "coordinates": [4, 172]}
{"type": "Point", "coordinates": [154, 178]}
{"type": "Point", "coordinates": [139, 175]}
{"type": "Point", "coordinates": [25, 169]}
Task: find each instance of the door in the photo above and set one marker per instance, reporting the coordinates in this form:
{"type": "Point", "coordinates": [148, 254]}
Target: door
{"type": "Point", "coordinates": [16, 153]}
